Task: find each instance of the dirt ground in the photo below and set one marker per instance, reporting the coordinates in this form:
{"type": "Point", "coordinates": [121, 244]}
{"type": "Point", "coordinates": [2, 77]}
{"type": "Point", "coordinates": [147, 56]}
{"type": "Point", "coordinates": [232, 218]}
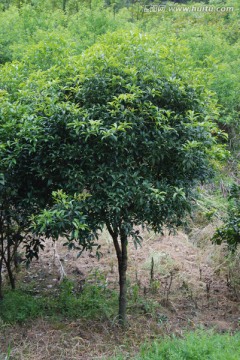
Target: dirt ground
{"type": "Point", "coordinates": [191, 284]}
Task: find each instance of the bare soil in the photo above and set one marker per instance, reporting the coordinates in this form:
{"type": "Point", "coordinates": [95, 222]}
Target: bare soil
{"type": "Point", "coordinates": [190, 284]}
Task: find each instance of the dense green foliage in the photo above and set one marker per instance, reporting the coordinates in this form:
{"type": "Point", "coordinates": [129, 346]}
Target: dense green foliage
{"type": "Point", "coordinates": [41, 34]}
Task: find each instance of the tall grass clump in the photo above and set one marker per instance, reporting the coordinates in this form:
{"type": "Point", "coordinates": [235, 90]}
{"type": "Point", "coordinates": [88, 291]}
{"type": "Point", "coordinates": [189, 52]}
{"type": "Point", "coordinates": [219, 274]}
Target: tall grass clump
{"type": "Point", "coordinates": [199, 345]}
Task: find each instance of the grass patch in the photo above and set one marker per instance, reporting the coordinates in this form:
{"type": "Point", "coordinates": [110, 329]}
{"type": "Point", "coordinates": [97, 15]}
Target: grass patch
{"type": "Point", "coordinates": [95, 301]}
{"type": "Point", "coordinates": [18, 306]}
{"type": "Point", "coordinates": [199, 345]}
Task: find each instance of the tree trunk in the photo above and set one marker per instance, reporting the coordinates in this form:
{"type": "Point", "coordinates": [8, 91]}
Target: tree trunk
{"type": "Point", "coordinates": [122, 268]}
{"type": "Point", "coordinates": [10, 276]}
{"type": "Point", "coordinates": [7, 261]}
{"type": "Point", "coordinates": [121, 252]}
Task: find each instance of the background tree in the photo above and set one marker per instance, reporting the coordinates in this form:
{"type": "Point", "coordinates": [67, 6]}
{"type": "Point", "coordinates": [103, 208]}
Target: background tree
{"type": "Point", "coordinates": [22, 194]}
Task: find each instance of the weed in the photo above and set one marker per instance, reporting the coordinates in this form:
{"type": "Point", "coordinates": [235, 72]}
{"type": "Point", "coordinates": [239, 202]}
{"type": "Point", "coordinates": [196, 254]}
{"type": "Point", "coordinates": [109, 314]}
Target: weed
{"type": "Point", "coordinates": [161, 319]}
{"type": "Point", "coordinates": [94, 301]}
{"type": "Point", "coordinates": [208, 287]}
{"type": "Point", "coordinates": [144, 304]}
{"type": "Point", "coordinates": [155, 286]}
{"type": "Point", "coordinates": [159, 263]}
{"type": "Point", "coordinates": [152, 270]}
{"type": "Point", "coordinates": [227, 265]}
{"type": "Point", "coordinates": [18, 306]}
{"type": "Point", "coordinates": [6, 356]}
{"type": "Point", "coordinates": [198, 345]}
{"type": "Point", "coordinates": [135, 292]}
{"type": "Point", "coordinates": [168, 286]}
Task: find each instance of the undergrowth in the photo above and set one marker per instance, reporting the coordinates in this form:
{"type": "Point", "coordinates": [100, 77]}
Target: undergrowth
{"type": "Point", "coordinates": [94, 301]}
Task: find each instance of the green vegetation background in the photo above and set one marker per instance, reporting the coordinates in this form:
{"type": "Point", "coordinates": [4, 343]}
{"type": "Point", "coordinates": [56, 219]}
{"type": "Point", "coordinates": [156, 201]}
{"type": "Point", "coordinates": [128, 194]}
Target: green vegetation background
{"type": "Point", "coordinates": [41, 40]}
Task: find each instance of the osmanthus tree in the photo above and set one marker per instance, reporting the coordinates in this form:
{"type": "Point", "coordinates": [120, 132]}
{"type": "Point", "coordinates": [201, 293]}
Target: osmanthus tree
{"type": "Point", "coordinates": [24, 190]}
{"type": "Point", "coordinates": [120, 146]}
{"type": "Point", "coordinates": [21, 193]}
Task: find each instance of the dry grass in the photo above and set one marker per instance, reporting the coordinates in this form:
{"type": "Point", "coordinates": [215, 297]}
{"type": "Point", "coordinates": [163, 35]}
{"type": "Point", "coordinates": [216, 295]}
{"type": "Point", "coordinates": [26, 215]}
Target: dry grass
{"type": "Point", "coordinates": [199, 295]}
{"type": "Point", "coordinates": [79, 339]}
